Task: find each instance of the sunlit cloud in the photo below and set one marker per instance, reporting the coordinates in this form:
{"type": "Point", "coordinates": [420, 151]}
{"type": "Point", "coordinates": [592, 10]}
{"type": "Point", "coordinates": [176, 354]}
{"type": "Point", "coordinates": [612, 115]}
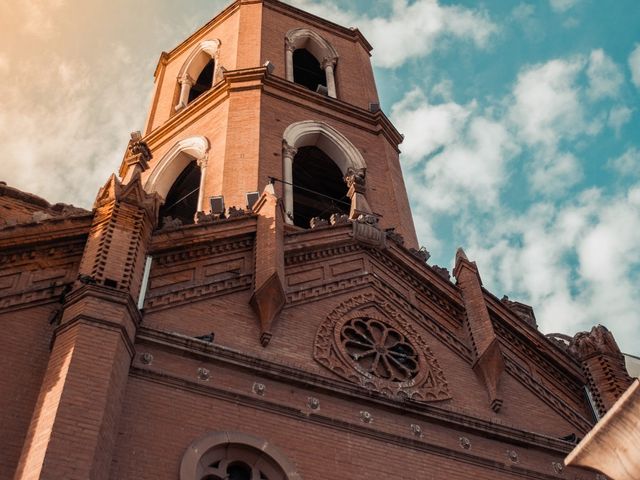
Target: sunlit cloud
{"type": "Point", "coordinates": [563, 5]}
{"type": "Point", "coordinates": [414, 29]}
{"type": "Point", "coordinates": [38, 16]}
{"type": "Point", "coordinates": [605, 77]}
{"type": "Point", "coordinates": [634, 65]}
{"type": "Point", "coordinates": [627, 164]}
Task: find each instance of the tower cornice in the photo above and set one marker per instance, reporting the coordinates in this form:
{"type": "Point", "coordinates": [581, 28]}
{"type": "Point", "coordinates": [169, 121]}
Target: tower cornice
{"type": "Point", "coordinates": [258, 78]}
{"type": "Point", "coordinates": [349, 33]}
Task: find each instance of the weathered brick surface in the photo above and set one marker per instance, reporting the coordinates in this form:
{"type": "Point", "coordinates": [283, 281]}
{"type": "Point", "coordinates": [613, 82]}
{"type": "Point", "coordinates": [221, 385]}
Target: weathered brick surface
{"type": "Point", "coordinates": [25, 350]}
{"type": "Point", "coordinates": [122, 393]}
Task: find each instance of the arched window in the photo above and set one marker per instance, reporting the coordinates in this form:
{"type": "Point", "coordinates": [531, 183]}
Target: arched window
{"type": "Point", "coordinates": [310, 60]}
{"type": "Point", "coordinates": [316, 160]}
{"type": "Point", "coordinates": [178, 178]}
{"type": "Point", "coordinates": [318, 187]}
{"type": "Point", "coordinates": [235, 456]}
{"type": "Point", "coordinates": [204, 81]}
{"type": "Point", "coordinates": [199, 72]}
{"type": "Point", "coordinates": [307, 71]}
{"type": "Point", "coordinates": [182, 201]}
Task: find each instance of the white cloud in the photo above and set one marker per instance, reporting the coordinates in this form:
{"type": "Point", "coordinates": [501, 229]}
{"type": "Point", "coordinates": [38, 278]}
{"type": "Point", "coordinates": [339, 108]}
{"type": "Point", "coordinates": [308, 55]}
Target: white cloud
{"type": "Point", "coordinates": [634, 65]}
{"type": "Point", "coordinates": [553, 174]}
{"type": "Point", "coordinates": [471, 170]}
{"type": "Point", "coordinates": [627, 164]}
{"type": "Point", "coordinates": [74, 136]}
{"type": "Point", "coordinates": [619, 116]}
{"type": "Point", "coordinates": [413, 30]}
{"type": "Point", "coordinates": [562, 5]}
{"type": "Point", "coordinates": [458, 156]}
{"type": "Point", "coordinates": [605, 77]}
{"type": "Point", "coordinates": [522, 11]}
{"type": "Point", "coordinates": [547, 105]}
{"type": "Point", "coordinates": [427, 127]}
{"type": "Point", "coordinates": [574, 263]}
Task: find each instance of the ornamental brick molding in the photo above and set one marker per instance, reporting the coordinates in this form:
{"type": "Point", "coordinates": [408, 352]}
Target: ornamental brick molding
{"type": "Point", "coordinates": [367, 343]}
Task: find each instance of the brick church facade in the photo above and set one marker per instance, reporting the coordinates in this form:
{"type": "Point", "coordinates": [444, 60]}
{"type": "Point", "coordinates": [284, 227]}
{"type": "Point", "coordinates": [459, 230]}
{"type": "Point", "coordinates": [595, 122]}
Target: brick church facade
{"type": "Point", "coordinates": [247, 299]}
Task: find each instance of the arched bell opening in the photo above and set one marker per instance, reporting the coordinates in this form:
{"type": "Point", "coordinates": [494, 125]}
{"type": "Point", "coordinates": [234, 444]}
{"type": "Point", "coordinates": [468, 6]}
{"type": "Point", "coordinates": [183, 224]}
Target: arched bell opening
{"type": "Point", "coordinates": [319, 189]}
{"type": "Point", "coordinates": [182, 200]}
{"type": "Point", "coordinates": [198, 73]}
{"type": "Point", "coordinates": [307, 70]}
{"type": "Point", "coordinates": [204, 81]}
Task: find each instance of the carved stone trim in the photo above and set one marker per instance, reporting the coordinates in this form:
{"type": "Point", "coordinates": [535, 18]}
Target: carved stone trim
{"type": "Point", "coordinates": [572, 389]}
{"type": "Point", "coordinates": [199, 292]}
{"type": "Point", "coordinates": [187, 255]}
{"type": "Point", "coordinates": [427, 386]}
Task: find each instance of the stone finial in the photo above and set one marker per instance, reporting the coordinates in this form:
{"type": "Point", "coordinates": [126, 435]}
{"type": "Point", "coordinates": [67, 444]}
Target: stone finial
{"type": "Point", "coordinates": [339, 219]}
{"type": "Point", "coordinates": [422, 254]}
{"type": "Point", "coordinates": [356, 181]}
{"type": "Point", "coordinates": [523, 311]}
{"type": "Point", "coordinates": [136, 158]}
{"type": "Point", "coordinates": [355, 177]}
{"type": "Point", "coordinates": [317, 222]}
{"type": "Point", "coordinates": [395, 236]}
{"type": "Point", "coordinates": [604, 364]}
{"type": "Point", "coordinates": [597, 341]}
{"type": "Point", "coordinates": [442, 271]}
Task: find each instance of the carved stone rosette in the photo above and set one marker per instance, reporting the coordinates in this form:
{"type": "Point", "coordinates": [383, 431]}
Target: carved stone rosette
{"type": "Point", "coordinates": [368, 342]}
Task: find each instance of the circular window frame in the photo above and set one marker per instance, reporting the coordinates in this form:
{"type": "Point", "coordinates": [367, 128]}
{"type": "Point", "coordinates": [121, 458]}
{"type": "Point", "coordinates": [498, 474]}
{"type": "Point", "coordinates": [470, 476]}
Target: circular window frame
{"type": "Point", "coordinates": [196, 458]}
{"type": "Point", "coordinates": [421, 369]}
{"type": "Point", "coordinates": [429, 385]}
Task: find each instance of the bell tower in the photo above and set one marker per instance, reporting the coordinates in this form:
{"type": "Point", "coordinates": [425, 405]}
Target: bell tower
{"type": "Point", "coordinates": [258, 96]}
{"type": "Point", "coordinates": [246, 299]}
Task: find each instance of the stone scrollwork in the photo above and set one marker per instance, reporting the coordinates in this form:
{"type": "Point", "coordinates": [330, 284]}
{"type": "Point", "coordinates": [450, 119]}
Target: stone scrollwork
{"type": "Point", "coordinates": [355, 176]}
{"type": "Point", "coordinates": [380, 350]}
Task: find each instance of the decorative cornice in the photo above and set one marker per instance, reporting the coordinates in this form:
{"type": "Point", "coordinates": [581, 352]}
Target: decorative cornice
{"type": "Point", "coordinates": [190, 347]}
{"type": "Point", "coordinates": [204, 250]}
{"type": "Point", "coordinates": [258, 78]}
{"type": "Point", "coordinates": [352, 34]}
{"type": "Point", "coordinates": [197, 293]}
{"type": "Point", "coordinates": [38, 235]}
{"type": "Point", "coordinates": [531, 336]}
{"type": "Point", "coordinates": [571, 379]}
{"type": "Point", "coordinates": [439, 298]}
{"type": "Point", "coordinates": [309, 255]}
{"type": "Point", "coordinates": [31, 298]}
{"type": "Point", "coordinates": [557, 404]}
{"type": "Point", "coordinates": [373, 122]}
{"type": "Point", "coordinates": [256, 402]}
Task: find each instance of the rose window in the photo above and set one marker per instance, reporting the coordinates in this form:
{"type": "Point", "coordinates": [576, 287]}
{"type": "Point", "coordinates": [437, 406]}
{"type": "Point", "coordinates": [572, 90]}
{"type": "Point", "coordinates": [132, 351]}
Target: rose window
{"type": "Point", "coordinates": [379, 350]}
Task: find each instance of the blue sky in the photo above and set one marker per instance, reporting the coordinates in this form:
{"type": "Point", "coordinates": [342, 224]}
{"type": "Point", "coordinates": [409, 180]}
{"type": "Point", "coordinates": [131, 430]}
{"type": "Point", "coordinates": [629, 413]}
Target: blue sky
{"type": "Point", "coordinates": [521, 118]}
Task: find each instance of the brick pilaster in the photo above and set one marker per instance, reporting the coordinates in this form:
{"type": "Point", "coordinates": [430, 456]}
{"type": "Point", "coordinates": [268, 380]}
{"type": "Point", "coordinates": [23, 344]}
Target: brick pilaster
{"type": "Point", "coordinates": [73, 427]}
{"type": "Point", "coordinates": [488, 363]}
{"type": "Point", "coordinates": [268, 297]}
